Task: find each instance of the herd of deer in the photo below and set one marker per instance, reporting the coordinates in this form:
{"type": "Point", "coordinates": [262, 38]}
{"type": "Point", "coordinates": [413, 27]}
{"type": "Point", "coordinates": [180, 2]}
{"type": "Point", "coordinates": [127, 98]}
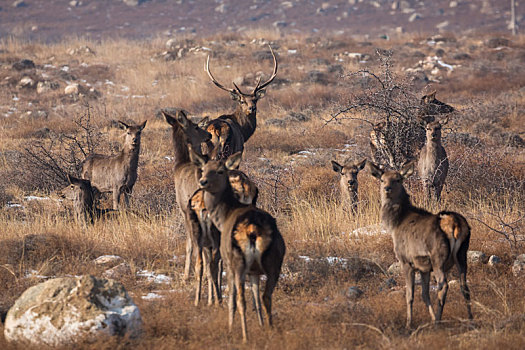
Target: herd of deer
{"type": "Point", "coordinates": [224, 224]}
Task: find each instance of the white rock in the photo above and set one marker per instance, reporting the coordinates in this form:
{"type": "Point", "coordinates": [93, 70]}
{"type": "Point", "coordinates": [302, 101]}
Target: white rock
{"type": "Point", "coordinates": [453, 4]}
{"type": "Point", "coordinates": [476, 257]}
{"type": "Point", "coordinates": [71, 89]}
{"type": "Point", "coordinates": [108, 260]}
{"type": "Point", "coordinates": [118, 272]}
{"type": "Point", "coordinates": [26, 82]}
{"type": "Point", "coordinates": [66, 310]}
{"type": "Point", "coordinates": [414, 16]}
{"type": "Point", "coordinates": [45, 86]}
{"type": "Point", "coordinates": [494, 260]}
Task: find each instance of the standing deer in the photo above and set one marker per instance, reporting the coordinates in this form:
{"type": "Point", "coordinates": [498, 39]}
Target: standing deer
{"type": "Point", "coordinates": [230, 131]}
{"type": "Point", "coordinates": [423, 241]}
{"type": "Point", "coordinates": [348, 182]}
{"type": "Point", "coordinates": [83, 196]}
{"type": "Point", "coordinates": [117, 173]}
{"type": "Point", "coordinates": [206, 237]}
{"type": "Point", "coordinates": [251, 243]}
{"type": "Point", "coordinates": [397, 140]}
{"type": "Point", "coordinates": [184, 131]}
{"type": "Point", "coordinates": [433, 161]}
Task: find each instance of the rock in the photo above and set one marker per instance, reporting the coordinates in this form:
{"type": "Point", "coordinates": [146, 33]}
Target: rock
{"type": "Point", "coordinates": [414, 16]}
{"type": "Point", "coordinates": [81, 50]}
{"type": "Point", "coordinates": [460, 56]}
{"type": "Point", "coordinates": [41, 133]}
{"type": "Point", "coordinates": [442, 25]}
{"type": "Point", "coordinates": [171, 44]}
{"type": "Point", "coordinates": [453, 4]}
{"type": "Point", "coordinates": [389, 283]}
{"type": "Point", "coordinates": [23, 64]}
{"type": "Point", "coordinates": [280, 24]}
{"type": "Point", "coordinates": [26, 82]}
{"type": "Point", "coordinates": [404, 5]}
{"type": "Point", "coordinates": [108, 260]}
{"type": "Point", "coordinates": [46, 86]}
{"type": "Point", "coordinates": [494, 260]}
{"type": "Point", "coordinates": [518, 268]}
{"type": "Point", "coordinates": [497, 42]}
{"type": "Point", "coordinates": [353, 292]}
{"type": "Point", "coordinates": [477, 257]}
{"type": "Point", "coordinates": [394, 269]}
{"type": "Point", "coordinates": [75, 3]}
{"type": "Point", "coordinates": [66, 310]}
{"type": "Point", "coordinates": [19, 3]}
{"type": "Point", "coordinates": [118, 272]}
{"type": "Point", "coordinates": [315, 76]}
{"type": "Point", "coordinates": [72, 89]}
{"type": "Point", "coordinates": [132, 2]}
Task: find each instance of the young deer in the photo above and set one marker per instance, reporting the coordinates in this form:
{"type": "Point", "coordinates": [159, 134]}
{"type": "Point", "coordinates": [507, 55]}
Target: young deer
{"type": "Point", "coordinates": [423, 241]}
{"type": "Point", "coordinates": [230, 131]}
{"type": "Point", "coordinates": [83, 196]}
{"type": "Point", "coordinates": [433, 161]}
{"type": "Point", "coordinates": [251, 243]}
{"type": "Point", "coordinates": [117, 173]}
{"type": "Point", "coordinates": [348, 181]}
{"type": "Point", "coordinates": [206, 237]}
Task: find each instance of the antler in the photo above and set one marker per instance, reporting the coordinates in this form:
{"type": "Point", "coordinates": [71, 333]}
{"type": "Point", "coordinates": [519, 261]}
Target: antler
{"type": "Point", "coordinates": [237, 90]}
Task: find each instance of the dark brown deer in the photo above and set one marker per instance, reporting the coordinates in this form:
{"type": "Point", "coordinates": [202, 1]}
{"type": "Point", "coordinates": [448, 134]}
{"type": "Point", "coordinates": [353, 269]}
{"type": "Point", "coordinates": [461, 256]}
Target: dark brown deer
{"type": "Point", "coordinates": [397, 141]}
{"type": "Point", "coordinates": [251, 244]}
{"type": "Point", "coordinates": [230, 131]}
{"type": "Point", "coordinates": [84, 197]}
{"type": "Point", "coordinates": [118, 173]}
{"type": "Point", "coordinates": [184, 131]}
{"type": "Point", "coordinates": [348, 182]}
{"type": "Point", "coordinates": [433, 161]}
{"type": "Point", "coordinates": [206, 237]}
{"type": "Point", "coordinates": [423, 241]}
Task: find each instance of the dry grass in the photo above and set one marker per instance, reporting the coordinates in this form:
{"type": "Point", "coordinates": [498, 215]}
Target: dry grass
{"type": "Point", "coordinates": [289, 160]}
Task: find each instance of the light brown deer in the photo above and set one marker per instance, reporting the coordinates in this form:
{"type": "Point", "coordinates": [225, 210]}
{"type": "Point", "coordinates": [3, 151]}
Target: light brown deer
{"type": "Point", "coordinates": [348, 182]}
{"type": "Point", "coordinates": [84, 197]}
{"type": "Point", "coordinates": [384, 134]}
{"type": "Point", "coordinates": [206, 237]}
{"type": "Point", "coordinates": [433, 161]}
{"type": "Point", "coordinates": [118, 173]}
{"type": "Point", "coordinates": [251, 243]}
{"type": "Point", "coordinates": [184, 131]}
{"type": "Point", "coordinates": [230, 131]}
{"type": "Point", "coordinates": [423, 241]}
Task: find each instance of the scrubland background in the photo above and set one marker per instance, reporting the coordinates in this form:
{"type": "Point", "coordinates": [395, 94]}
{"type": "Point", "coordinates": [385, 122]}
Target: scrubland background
{"type": "Point", "coordinates": [329, 248]}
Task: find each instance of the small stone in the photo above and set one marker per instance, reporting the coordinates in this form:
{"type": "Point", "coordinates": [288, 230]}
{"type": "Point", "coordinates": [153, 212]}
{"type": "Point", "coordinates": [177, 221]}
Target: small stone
{"type": "Point", "coordinates": [108, 260]}
{"type": "Point", "coordinates": [72, 89]}
{"type": "Point", "coordinates": [414, 16]}
{"type": "Point", "coordinates": [19, 3]}
{"type": "Point", "coordinates": [23, 64]}
{"type": "Point", "coordinates": [353, 292]}
{"type": "Point", "coordinates": [477, 257]}
{"type": "Point", "coordinates": [394, 269]}
{"type": "Point", "coordinates": [118, 272]}
{"type": "Point", "coordinates": [26, 82]}
{"type": "Point", "coordinates": [45, 86]}
{"type": "Point", "coordinates": [494, 260]}
{"type": "Point", "coordinates": [453, 4]}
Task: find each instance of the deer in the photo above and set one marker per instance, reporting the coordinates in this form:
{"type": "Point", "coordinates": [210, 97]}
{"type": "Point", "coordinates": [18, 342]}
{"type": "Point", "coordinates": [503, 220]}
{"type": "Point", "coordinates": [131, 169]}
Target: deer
{"type": "Point", "coordinates": [348, 181]}
{"type": "Point", "coordinates": [433, 161]}
{"type": "Point", "coordinates": [83, 195]}
{"type": "Point", "coordinates": [423, 241]}
{"type": "Point", "coordinates": [206, 237]}
{"type": "Point", "coordinates": [251, 244]}
{"type": "Point", "coordinates": [118, 173]}
{"type": "Point", "coordinates": [382, 144]}
{"type": "Point", "coordinates": [230, 131]}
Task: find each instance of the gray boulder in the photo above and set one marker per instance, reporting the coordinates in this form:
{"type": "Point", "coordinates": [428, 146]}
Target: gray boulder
{"type": "Point", "coordinates": [66, 310]}
{"type": "Point", "coordinates": [477, 257]}
{"type": "Point", "coordinates": [518, 268]}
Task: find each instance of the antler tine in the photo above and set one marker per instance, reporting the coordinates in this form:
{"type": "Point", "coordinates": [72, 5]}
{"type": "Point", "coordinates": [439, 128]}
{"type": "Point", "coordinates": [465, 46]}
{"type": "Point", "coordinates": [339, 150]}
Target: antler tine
{"type": "Point", "coordinates": [213, 80]}
{"type": "Point", "coordinates": [274, 74]}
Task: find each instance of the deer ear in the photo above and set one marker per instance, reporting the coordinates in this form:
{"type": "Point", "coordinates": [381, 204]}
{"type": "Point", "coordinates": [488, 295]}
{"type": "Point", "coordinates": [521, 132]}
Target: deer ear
{"type": "Point", "coordinates": [235, 96]}
{"type": "Point", "coordinates": [233, 161]}
{"type": "Point", "coordinates": [169, 119]}
{"type": "Point", "coordinates": [407, 169]}
{"type": "Point", "coordinates": [143, 125]}
{"type": "Point", "coordinates": [336, 166]}
{"type": "Point", "coordinates": [260, 93]}
{"type": "Point", "coordinates": [73, 180]}
{"type": "Point", "coordinates": [444, 121]}
{"type": "Point", "coordinates": [123, 125]}
{"type": "Point", "coordinates": [203, 122]}
{"type": "Point", "coordinates": [361, 165]}
{"type": "Point", "coordinates": [376, 171]}
{"type": "Point", "coordinates": [196, 158]}
{"type": "Point", "coordinates": [182, 118]}
{"type": "Point", "coordinates": [432, 95]}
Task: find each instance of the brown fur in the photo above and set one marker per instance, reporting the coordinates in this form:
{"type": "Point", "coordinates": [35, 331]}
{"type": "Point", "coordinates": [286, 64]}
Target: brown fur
{"type": "Point", "coordinates": [420, 242]}
{"type": "Point", "coordinates": [433, 161]}
{"type": "Point", "coordinates": [348, 182]}
{"type": "Point", "coordinates": [251, 243]}
{"type": "Point", "coordinates": [233, 130]}
{"type": "Point", "coordinates": [118, 173]}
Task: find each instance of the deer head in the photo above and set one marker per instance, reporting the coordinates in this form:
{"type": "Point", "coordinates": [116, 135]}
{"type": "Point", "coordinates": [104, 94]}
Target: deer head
{"type": "Point", "coordinates": [433, 129]}
{"type": "Point", "coordinates": [392, 189]}
{"type": "Point", "coordinates": [247, 101]}
{"type": "Point", "coordinates": [133, 133]}
{"type": "Point", "coordinates": [349, 173]}
{"type": "Point", "coordinates": [430, 106]}
{"type": "Point", "coordinates": [194, 134]}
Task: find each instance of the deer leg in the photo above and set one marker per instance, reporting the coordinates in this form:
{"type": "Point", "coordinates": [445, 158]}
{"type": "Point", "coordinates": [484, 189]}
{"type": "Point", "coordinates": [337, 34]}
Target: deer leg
{"type": "Point", "coordinates": [208, 261]}
{"type": "Point", "coordinates": [441, 279]}
{"type": "Point", "coordinates": [198, 275]}
{"type": "Point", "coordinates": [215, 272]}
{"type": "Point", "coordinates": [189, 253]}
{"type": "Point", "coordinates": [271, 282]}
{"type": "Point", "coordinates": [241, 302]}
{"type": "Point", "coordinates": [409, 276]}
{"type": "Point", "coordinates": [254, 280]}
{"type": "Point", "coordinates": [461, 262]}
{"type": "Point", "coordinates": [425, 293]}
{"type": "Point", "coordinates": [231, 299]}
{"type": "Point", "coordinates": [116, 198]}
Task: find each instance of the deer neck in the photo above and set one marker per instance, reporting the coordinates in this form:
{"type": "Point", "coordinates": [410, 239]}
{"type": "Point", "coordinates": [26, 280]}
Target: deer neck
{"type": "Point", "coordinates": [181, 154]}
{"type": "Point", "coordinates": [221, 205]}
{"type": "Point", "coordinates": [393, 211]}
{"type": "Point", "coordinates": [130, 154]}
{"type": "Point", "coordinates": [247, 122]}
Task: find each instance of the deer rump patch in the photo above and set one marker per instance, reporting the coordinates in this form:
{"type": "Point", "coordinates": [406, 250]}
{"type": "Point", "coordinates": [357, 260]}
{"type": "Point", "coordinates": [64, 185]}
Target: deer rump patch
{"type": "Point", "coordinates": [450, 225]}
{"type": "Point", "coordinates": [253, 239]}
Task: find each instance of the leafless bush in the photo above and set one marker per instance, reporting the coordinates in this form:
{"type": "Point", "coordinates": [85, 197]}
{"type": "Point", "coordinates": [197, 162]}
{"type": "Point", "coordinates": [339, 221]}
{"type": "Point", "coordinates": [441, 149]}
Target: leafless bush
{"type": "Point", "coordinates": [507, 227]}
{"type": "Point", "coordinates": [46, 162]}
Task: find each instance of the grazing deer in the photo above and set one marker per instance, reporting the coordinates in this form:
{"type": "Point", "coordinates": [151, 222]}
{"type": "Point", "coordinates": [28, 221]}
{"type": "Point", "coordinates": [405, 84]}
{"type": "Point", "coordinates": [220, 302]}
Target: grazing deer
{"type": "Point", "coordinates": [398, 140]}
{"type": "Point", "coordinates": [230, 131]}
{"type": "Point", "coordinates": [423, 241]}
{"type": "Point", "coordinates": [184, 131]}
{"type": "Point", "coordinates": [83, 196]}
{"type": "Point", "coordinates": [348, 181]}
{"type": "Point", "coordinates": [206, 237]}
{"type": "Point", "coordinates": [433, 161]}
{"type": "Point", "coordinates": [117, 173]}
{"type": "Point", "coordinates": [251, 243]}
